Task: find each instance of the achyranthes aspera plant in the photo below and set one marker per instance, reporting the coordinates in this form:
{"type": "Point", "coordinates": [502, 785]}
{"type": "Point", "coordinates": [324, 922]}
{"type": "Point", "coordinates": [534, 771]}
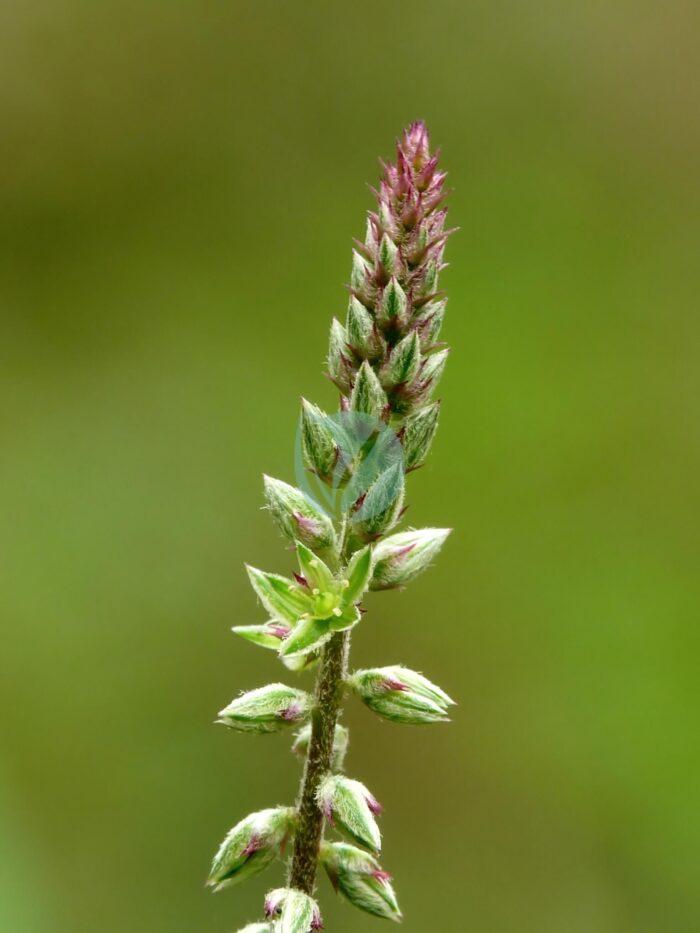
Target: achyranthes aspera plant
{"type": "Point", "coordinates": [386, 360]}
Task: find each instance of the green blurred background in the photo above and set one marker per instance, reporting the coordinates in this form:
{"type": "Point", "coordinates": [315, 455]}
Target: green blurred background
{"type": "Point", "coordinates": [179, 185]}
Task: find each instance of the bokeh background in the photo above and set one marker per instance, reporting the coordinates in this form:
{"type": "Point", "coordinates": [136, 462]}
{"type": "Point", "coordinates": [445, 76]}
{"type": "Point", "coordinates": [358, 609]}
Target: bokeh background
{"type": "Point", "coordinates": [179, 185]}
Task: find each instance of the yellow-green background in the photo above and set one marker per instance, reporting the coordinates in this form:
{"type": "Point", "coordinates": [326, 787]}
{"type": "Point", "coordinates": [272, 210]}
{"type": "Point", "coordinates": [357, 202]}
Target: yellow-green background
{"type": "Point", "coordinates": [179, 184]}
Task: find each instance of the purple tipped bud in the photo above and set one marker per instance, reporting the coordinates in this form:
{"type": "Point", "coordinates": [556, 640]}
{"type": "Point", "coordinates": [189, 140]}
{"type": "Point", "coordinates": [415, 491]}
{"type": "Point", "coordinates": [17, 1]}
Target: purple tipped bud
{"type": "Point", "coordinates": [401, 695]}
{"type": "Point", "coordinates": [359, 878]}
{"type": "Point", "coordinates": [402, 557]}
{"type": "Point", "coordinates": [267, 709]}
{"type": "Point", "coordinates": [350, 808]}
{"type": "Point", "coordinates": [251, 846]}
{"type": "Point", "coordinates": [292, 911]}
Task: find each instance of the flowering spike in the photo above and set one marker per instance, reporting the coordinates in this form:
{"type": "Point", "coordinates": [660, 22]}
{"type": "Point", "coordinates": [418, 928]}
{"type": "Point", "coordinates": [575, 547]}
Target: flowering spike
{"type": "Point", "coordinates": [267, 709]}
{"type": "Point", "coordinates": [350, 808]}
{"type": "Point", "coordinates": [359, 878]}
{"type": "Point", "coordinates": [386, 363]}
{"type": "Point", "coordinates": [401, 695]}
{"type": "Point", "coordinates": [250, 846]}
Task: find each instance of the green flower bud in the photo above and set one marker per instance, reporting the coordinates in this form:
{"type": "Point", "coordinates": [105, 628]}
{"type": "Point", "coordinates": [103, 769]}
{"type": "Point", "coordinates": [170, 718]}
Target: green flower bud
{"type": "Point", "coordinates": [360, 271]}
{"type": "Point", "coordinates": [429, 323]}
{"type": "Point", "coordinates": [362, 333]}
{"type": "Point", "coordinates": [417, 435]}
{"type": "Point", "coordinates": [380, 508]}
{"type": "Point", "coordinates": [367, 395]}
{"type": "Point", "coordinates": [340, 368]}
{"type": "Point", "coordinates": [389, 257]}
{"type": "Point", "coordinates": [403, 363]}
{"type": "Point", "coordinates": [359, 878]}
{"type": "Point", "coordinates": [341, 739]}
{"type": "Point", "coordinates": [297, 516]}
{"type": "Point", "coordinates": [401, 557]}
{"type": "Point", "coordinates": [292, 911]}
{"type": "Point", "coordinates": [250, 846]}
{"type": "Point", "coordinates": [393, 308]}
{"type": "Point", "coordinates": [430, 279]}
{"type": "Point", "coordinates": [258, 928]}
{"type": "Point", "coordinates": [401, 695]}
{"type": "Point", "coordinates": [282, 598]}
{"type": "Point", "coordinates": [428, 377]}
{"type": "Point", "coordinates": [318, 444]}
{"type": "Point", "coordinates": [269, 635]}
{"type": "Point", "coordinates": [267, 709]}
{"type": "Point", "coordinates": [350, 808]}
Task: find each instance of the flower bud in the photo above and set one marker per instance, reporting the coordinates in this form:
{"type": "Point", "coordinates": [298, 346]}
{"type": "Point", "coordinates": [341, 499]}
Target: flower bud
{"type": "Point", "coordinates": [267, 709]}
{"type": "Point", "coordinates": [250, 846]}
{"type": "Point", "coordinates": [362, 332]}
{"type": "Point", "coordinates": [292, 911]}
{"type": "Point", "coordinates": [341, 739]}
{"type": "Point", "coordinates": [429, 323]}
{"type": "Point", "coordinates": [367, 396]}
{"type": "Point", "coordinates": [298, 516]}
{"type": "Point", "coordinates": [403, 363]}
{"type": "Point", "coordinates": [360, 271]}
{"type": "Point", "coordinates": [359, 878]}
{"type": "Point", "coordinates": [257, 928]}
{"type": "Point", "coordinates": [428, 377]}
{"type": "Point", "coordinates": [392, 310]}
{"type": "Point", "coordinates": [417, 435]}
{"type": "Point", "coordinates": [350, 808]}
{"type": "Point", "coordinates": [388, 258]}
{"type": "Point", "coordinates": [401, 695]}
{"type": "Point", "coordinates": [319, 449]}
{"type": "Point", "coordinates": [401, 557]}
{"type": "Point", "coordinates": [340, 368]}
{"type": "Point", "coordinates": [380, 508]}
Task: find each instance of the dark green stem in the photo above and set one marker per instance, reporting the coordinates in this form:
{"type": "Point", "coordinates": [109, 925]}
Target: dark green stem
{"type": "Point", "coordinates": [329, 690]}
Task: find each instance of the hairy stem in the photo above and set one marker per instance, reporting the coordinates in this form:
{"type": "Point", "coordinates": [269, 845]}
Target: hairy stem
{"type": "Point", "coordinates": [329, 689]}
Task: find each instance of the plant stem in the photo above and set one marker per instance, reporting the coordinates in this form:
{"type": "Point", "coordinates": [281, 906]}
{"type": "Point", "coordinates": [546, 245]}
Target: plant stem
{"type": "Point", "coordinates": [329, 689]}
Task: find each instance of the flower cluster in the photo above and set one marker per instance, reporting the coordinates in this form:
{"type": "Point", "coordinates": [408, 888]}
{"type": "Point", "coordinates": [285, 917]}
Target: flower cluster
{"type": "Point", "coordinates": [386, 361]}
